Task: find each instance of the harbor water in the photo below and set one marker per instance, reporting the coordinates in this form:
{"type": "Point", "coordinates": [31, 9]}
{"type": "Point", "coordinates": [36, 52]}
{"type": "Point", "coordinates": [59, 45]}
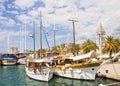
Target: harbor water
{"type": "Point", "coordinates": [16, 76]}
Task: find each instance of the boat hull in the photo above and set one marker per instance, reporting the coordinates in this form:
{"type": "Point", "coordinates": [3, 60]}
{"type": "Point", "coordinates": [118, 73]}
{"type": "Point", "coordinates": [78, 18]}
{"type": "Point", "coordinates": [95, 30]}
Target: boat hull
{"type": "Point", "coordinates": [41, 76]}
{"type": "Point", "coordinates": [110, 70]}
{"type": "Point", "coordinates": [21, 61]}
{"type": "Point", "coordinates": [83, 73]}
{"type": "Point", "coordinates": [8, 62]}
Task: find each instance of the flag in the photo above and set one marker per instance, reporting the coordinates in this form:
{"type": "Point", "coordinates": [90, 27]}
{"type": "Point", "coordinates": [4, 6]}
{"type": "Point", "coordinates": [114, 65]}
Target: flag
{"type": "Point", "coordinates": [32, 34]}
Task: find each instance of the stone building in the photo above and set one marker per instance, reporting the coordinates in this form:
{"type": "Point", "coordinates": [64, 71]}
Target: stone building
{"type": "Point", "coordinates": [100, 38]}
{"type": "Point", "coordinates": [13, 50]}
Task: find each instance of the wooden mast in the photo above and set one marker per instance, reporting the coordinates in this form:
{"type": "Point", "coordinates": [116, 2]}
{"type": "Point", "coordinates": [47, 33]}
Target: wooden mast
{"type": "Point", "coordinates": [40, 34]}
{"type": "Point", "coordinates": [34, 37]}
{"type": "Point", "coordinates": [73, 23]}
{"type": "Point", "coordinates": [54, 32]}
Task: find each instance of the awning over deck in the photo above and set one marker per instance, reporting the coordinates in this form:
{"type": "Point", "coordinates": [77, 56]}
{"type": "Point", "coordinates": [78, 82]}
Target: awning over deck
{"type": "Point", "coordinates": [91, 54]}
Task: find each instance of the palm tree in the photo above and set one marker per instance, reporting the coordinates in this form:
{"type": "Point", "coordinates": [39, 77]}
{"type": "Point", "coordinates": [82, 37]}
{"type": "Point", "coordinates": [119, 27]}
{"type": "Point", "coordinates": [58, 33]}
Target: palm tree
{"type": "Point", "coordinates": [111, 46]}
{"type": "Point", "coordinates": [118, 41]}
{"type": "Point", "coordinates": [88, 46]}
{"type": "Point", "coordinates": [74, 48]}
{"type": "Point", "coordinates": [43, 51]}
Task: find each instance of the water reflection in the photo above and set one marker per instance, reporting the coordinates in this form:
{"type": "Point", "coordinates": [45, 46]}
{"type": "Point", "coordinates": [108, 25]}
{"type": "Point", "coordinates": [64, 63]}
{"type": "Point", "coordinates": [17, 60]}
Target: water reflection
{"type": "Point", "coordinates": [31, 82]}
{"type": "Point", "coordinates": [16, 76]}
{"type": "Point", "coordinates": [59, 81]}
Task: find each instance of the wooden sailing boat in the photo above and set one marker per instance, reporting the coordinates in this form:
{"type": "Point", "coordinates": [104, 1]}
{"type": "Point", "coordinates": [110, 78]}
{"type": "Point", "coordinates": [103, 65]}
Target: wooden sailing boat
{"type": "Point", "coordinates": [38, 68]}
{"type": "Point", "coordinates": [77, 67]}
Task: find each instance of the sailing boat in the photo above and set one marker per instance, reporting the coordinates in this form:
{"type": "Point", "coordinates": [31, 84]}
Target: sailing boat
{"type": "Point", "coordinates": [78, 67]}
{"type": "Point", "coordinates": [39, 69]}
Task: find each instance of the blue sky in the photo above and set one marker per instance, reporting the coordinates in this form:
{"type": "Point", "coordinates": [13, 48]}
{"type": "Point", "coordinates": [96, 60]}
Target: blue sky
{"type": "Point", "coordinates": [55, 15]}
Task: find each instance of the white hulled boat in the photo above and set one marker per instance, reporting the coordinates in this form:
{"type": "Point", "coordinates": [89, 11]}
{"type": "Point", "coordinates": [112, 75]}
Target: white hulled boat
{"type": "Point", "coordinates": [79, 67]}
{"type": "Point", "coordinates": [21, 60]}
{"type": "Point", "coordinates": [39, 69]}
{"type": "Point", "coordinates": [8, 59]}
{"type": "Point", "coordinates": [110, 70]}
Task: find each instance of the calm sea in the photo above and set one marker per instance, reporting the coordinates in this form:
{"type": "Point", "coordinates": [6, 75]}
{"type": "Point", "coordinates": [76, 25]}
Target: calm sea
{"type": "Point", "coordinates": [15, 76]}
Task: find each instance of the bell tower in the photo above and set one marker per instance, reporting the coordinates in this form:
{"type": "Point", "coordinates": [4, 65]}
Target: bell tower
{"type": "Point", "coordinates": [100, 37]}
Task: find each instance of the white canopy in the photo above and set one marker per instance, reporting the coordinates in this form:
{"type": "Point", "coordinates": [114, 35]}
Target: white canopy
{"type": "Point", "coordinates": [107, 55]}
{"type": "Point", "coordinates": [84, 56]}
{"type": "Point", "coordinates": [103, 56]}
{"type": "Point", "coordinates": [42, 60]}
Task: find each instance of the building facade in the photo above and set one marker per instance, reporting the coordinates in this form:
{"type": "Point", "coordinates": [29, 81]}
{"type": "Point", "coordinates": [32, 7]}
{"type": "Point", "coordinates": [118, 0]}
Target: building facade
{"type": "Point", "coordinates": [100, 38]}
{"type": "Point", "coordinates": [13, 50]}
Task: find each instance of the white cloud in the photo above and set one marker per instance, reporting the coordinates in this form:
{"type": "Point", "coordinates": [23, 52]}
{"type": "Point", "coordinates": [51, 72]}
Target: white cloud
{"type": "Point", "coordinates": [34, 13]}
{"type": "Point", "coordinates": [6, 35]}
{"type": "Point", "coordinates": [88, 14]}
{"type": "Point", "coordinates": [13, 12]}
{"type": "Point", "coordinates": [23, 17]}
{"type": "Point", "coordinates": [2, 8]}
{"type": "Point", "coordinates": [6, 21]}
{"type": "Point", "coordinates": [23, 4]}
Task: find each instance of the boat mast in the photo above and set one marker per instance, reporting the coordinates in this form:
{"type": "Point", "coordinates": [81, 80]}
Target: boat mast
{"type": "Point", "coordinates": [25, 37]}
{"type": "Point", "coordinates": [73, 23]}
{"type": "Point", "coordinates": [34, 37]}
{"type": "Point", "coordinates": [20, 40]}
{"type": "Point", "coordinates": [54, 31]}
{"type": "Point", "coordinates": [40, 34]}
{"type": "Point", "coordinates": [8, 43]}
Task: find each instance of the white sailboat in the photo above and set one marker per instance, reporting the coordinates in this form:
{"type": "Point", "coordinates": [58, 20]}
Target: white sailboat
{"type": "Point", "coordinates": [39, 69]}
{"type": "Point", "coordinates": [79, 67]}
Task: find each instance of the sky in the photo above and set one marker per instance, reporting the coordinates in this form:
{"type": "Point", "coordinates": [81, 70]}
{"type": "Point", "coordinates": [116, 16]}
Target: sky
{"type": "Point", "coordinates": [17, 15]}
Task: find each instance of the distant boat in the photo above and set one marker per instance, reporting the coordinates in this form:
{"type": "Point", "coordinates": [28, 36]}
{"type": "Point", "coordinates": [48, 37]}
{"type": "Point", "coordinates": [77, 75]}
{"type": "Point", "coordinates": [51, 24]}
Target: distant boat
{"type": "Point", "coordinates": [78, 67]}
{"type": "Point", "coordinates": [8, 59]}
{"type": "Point", "coordinates": [39, 69]}
{"type": "Point", "coordinates": [21, 58]}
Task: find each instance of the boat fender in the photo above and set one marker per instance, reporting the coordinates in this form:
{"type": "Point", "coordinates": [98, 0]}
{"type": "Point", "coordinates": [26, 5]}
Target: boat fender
{"type": "Point", "coordinates": [35, 70]}
{"type": "Point", "coordinates": [63, 68]}
{"type": "Point", "coordinates": [70, 68]}
{"type": "Point", "coordinates": [79, 71]}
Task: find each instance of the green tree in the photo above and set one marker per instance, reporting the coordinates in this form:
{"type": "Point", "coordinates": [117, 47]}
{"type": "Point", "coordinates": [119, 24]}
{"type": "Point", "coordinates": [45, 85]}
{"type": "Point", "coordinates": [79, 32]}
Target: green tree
{"type": "Point", "coordinates": [112, 45]}
{"type": "Point", "coordinates": [88, 46]}
{"type": "Point", "coordinates": [43, 51]}
{"type": "Point", "coordinates": [56, 49]}
{"type": "Point", "coordinates": [74, 48]}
